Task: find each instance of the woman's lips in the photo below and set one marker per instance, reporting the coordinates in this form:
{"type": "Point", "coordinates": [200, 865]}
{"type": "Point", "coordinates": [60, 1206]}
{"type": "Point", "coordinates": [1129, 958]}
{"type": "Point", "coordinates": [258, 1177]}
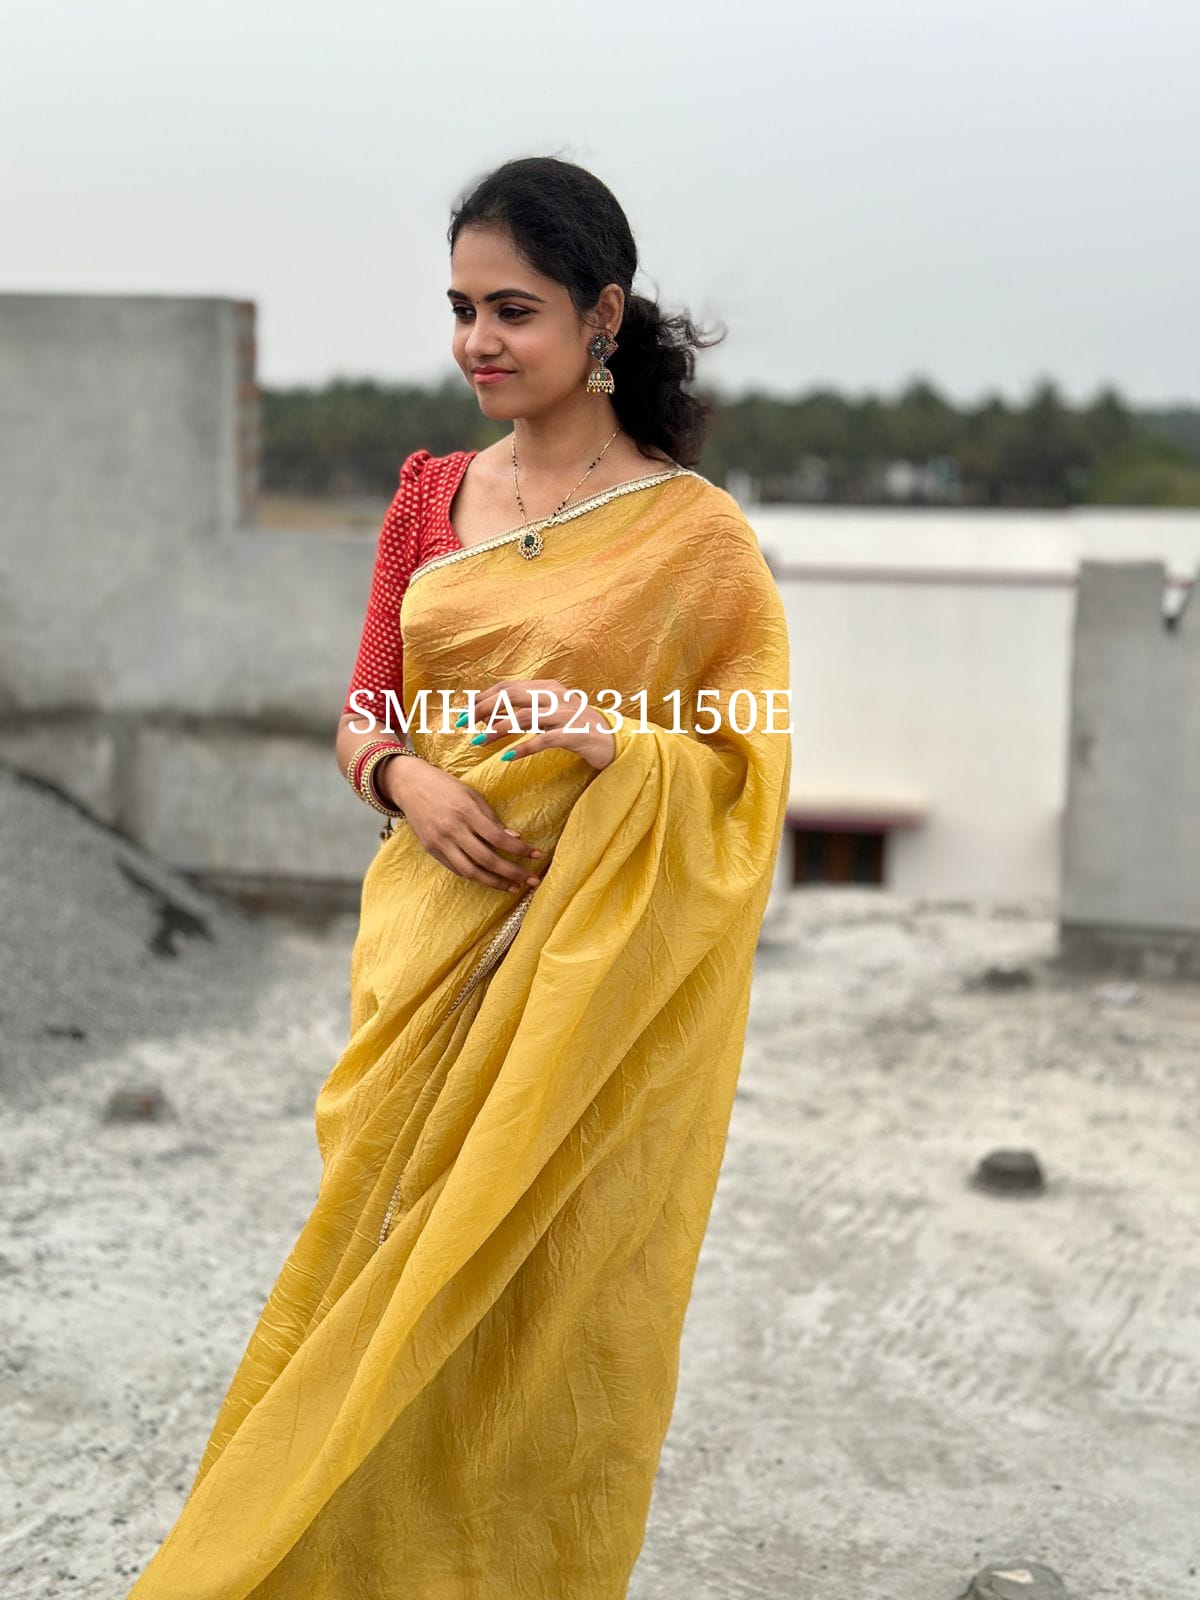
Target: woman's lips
{"type": "Point", "coordinates": [490, 377]}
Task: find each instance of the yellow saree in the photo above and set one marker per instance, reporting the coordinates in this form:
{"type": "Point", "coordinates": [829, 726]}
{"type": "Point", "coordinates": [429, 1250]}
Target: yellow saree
{"type": "Point", "coordinates": [461, 1383]}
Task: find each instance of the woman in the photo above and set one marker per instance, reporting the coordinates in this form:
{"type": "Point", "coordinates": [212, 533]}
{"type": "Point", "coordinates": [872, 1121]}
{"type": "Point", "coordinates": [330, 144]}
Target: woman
{"type": "Point", "coordinates": [461, 1383]}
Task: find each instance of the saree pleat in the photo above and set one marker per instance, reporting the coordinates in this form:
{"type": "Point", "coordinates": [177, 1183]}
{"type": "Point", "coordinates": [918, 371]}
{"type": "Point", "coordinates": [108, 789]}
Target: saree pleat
{"type": "Point", "coordinates": [460, 1385]}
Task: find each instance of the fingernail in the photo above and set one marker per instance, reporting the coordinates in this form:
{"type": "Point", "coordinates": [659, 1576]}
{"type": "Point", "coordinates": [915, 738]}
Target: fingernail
{"type": "Point", "coordinates": [513, 831]}
{"type": "Point", "coordinates": [533, 882]}
{"type": "Point", "coordinates": [508, 755]}
{"type": "Point", "coordinates": [479, 737]}
{"type": "Point", "coordinates": [460, 722]}
{"type": "Point", "coordinates": [537, 853]}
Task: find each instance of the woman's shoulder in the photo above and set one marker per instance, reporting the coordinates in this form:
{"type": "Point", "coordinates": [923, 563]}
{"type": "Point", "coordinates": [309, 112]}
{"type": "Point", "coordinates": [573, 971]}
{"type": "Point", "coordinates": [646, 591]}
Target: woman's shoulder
{"type": "Point", "coordinates": [427, 485]}
{"type": "Point", "coordinates": [713, 506]}
{"type": "Point", "coordinates": [421, 469]}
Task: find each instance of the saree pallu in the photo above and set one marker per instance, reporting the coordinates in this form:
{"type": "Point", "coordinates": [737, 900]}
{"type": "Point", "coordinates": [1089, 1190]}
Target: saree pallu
{"type": "Point", "coordinates": [460, 1386]}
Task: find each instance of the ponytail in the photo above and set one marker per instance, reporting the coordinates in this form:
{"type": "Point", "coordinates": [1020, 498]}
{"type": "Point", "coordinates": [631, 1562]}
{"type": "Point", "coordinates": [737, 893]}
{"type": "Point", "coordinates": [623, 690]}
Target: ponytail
{"type": "Point", "coordinates": [654, 362]}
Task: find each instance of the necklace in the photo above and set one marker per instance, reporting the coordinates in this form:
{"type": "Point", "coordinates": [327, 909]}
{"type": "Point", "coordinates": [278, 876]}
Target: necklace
{"type": "Point", "coordinates": [530, 544]}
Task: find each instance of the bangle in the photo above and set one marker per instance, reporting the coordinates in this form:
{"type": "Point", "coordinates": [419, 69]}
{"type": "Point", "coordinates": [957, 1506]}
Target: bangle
{"type": "Point", "coordinates": [355, 764]}
{"type": "Point", "coordinates": [370, 794]}
{"type": "Point", "coordinates": [360, 770]}
{"type": "Point", "coordinates": [367, 789]}
{"type": "Point", "coordinates": [370, 779]}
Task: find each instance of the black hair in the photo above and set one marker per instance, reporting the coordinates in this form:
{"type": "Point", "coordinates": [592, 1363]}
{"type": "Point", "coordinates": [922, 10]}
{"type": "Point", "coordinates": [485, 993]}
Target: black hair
{"type": "Point", "coordinates": [570, 228]}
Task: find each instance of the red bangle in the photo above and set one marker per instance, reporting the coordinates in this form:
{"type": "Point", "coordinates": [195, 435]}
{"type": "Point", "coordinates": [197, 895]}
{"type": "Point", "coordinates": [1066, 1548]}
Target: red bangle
{"type": "Point", "coordinates": [354, 770]}
{"type": "Point", "coordinates": [373, 780]}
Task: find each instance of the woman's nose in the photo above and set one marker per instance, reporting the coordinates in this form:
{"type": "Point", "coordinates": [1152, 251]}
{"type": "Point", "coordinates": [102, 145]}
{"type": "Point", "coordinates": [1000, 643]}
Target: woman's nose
{"type": "Point", "coordinates": [481, 336]}
{"type": "Point", "coordinates": [481, 347]}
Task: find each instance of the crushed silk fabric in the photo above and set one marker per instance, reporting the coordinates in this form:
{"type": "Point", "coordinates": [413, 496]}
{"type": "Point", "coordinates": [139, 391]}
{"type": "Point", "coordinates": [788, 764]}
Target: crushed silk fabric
{"type": "Point", "coordinates": [474, 1409]}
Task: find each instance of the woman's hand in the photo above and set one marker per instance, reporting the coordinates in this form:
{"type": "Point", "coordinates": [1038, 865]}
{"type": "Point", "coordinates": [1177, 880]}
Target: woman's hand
{"type": "Point", "coordinates": [455, 823]}
{"type": "Point", "coordinates": [591, 736]}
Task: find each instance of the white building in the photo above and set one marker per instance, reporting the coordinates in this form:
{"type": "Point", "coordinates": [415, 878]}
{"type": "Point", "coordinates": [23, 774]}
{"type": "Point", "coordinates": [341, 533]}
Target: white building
{"type": "Point", "coordinates": [931, 665]}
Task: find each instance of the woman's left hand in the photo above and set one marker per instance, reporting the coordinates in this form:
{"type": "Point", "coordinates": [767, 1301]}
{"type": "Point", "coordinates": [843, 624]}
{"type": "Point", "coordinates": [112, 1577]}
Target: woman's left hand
{"type": "Point", "coordinates": [590, 736]}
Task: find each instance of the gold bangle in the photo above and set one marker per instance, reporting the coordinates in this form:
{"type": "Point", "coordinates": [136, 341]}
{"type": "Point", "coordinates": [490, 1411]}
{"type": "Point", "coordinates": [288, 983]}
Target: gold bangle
{"type": "Point", "coordinates": [366, 757]}
{"type": "Point", "coordinates": [388, 828]}
{"type": "Point", "coordinates": [365, 788]}
{"type": "Point", "coordinates": [363, 750]}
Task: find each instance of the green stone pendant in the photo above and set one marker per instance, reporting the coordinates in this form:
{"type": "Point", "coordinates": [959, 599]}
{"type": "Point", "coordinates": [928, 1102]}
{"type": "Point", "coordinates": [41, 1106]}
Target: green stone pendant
{"type": "Point", "coordinates": [531, 544]}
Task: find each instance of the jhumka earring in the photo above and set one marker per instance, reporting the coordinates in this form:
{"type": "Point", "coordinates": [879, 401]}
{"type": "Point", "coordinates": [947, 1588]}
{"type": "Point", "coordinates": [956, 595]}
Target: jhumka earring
{"type": "Point", "coordinates": [600, 379]}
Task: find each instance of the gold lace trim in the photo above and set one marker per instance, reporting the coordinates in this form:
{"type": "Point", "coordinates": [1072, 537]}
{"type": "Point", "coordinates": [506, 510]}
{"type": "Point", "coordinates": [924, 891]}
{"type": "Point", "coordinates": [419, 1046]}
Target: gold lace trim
{"type": "Point", "coordinates": [510, 534]}
{"type": "Point", "coordinates": [495, 948]}
{"type": "Point", "coordinates": [490, 958]}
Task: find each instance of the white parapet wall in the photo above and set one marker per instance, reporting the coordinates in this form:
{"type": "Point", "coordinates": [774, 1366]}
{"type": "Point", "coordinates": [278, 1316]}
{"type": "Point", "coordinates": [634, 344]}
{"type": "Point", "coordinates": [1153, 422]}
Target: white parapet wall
{"type": "Point", "coordinates": [1131, 845]}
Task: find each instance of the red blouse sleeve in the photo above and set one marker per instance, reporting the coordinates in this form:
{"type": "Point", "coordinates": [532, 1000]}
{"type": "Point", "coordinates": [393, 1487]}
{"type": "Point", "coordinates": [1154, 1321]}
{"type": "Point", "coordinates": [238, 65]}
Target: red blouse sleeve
{"type": "Point", "coordinates": [380, 663]}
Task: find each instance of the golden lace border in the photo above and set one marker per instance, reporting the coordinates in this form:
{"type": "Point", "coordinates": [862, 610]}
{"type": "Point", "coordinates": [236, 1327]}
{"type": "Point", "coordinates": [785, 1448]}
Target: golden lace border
{"type": "Point", "coordinates": [511, 534]}
{"type": "Point", "coordinates": [490, 958]}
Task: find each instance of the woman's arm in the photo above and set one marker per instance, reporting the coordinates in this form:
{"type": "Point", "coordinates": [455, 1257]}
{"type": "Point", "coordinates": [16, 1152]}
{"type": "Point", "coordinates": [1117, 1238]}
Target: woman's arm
{"type": "Point", "coordinates": [379, 665]}
{"type": "Point", "coordinates": [389, 781]}
{"type": "Point", "coordinates": [451, 820]}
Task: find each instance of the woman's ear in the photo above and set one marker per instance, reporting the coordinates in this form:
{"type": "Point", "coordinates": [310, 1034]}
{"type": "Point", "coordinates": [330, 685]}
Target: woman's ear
{"type": "Point", "coordinates": [610, 307]}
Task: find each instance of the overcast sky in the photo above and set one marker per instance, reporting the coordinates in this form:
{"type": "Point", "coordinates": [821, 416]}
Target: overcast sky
{"type": "Point", "coordinates": [980, 191]}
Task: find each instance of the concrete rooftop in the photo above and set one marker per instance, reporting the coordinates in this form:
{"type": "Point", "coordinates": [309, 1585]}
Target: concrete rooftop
{"type": "Point", "coordinates": [889, 1377]}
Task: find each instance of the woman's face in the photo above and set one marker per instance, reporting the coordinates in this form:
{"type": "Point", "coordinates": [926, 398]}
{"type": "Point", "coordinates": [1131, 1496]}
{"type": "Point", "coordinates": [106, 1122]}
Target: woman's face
{"type": "Point", "coordinates": [506, 315]}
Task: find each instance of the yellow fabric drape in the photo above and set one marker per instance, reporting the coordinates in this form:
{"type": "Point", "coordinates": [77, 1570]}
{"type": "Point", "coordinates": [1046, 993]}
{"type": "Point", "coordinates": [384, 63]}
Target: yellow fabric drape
{"type": "Point", "coordinates": [474, 1407]}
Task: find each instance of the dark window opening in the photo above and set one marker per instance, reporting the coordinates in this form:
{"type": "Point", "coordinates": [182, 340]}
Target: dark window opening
{"type": "Point", "coordinates": [822, 855]}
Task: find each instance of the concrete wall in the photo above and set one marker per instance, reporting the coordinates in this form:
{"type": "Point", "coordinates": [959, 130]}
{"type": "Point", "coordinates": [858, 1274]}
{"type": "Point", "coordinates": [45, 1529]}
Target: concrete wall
{"type": "Point", "coordinates": [1131, 858]}
{"type": "Point", "coordinates": [172, 666]}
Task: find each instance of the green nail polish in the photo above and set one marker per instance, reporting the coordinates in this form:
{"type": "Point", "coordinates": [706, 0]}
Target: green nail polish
{"type": "Point", "coordinates": [508, 755]}
{"type": "Point", "coordinates": [479, 737]}
{"type": "Point", "coordinates": [461, 720]}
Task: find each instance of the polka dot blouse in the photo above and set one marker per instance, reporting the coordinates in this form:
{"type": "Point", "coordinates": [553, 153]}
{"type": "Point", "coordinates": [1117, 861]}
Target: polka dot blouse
{"type": "Point", "coordinates": [415, 529]}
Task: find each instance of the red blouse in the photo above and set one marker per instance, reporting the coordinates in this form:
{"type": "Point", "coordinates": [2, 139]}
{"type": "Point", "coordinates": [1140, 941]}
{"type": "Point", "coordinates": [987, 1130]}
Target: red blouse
{"type": "Point", "coordinates": [415, 529]}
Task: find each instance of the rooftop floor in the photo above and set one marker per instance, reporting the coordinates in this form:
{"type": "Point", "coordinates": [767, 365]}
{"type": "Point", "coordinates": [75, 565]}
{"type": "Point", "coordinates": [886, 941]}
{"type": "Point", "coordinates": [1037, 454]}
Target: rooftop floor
{"type": "Point", "coordinates": [889, 1377]}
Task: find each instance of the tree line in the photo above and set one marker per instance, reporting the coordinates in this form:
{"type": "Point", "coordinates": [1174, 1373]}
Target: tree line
{"type": "Point", "coordinates": [348, 437]}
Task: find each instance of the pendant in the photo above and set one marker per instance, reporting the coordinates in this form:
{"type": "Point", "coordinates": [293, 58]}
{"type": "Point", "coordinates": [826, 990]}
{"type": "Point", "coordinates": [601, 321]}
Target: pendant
{"type": "Point", "coordinates": [530, 544]}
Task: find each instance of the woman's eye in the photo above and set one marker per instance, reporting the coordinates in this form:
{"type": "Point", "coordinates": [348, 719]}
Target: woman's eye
{"type": "Point", "coordinates": [518, 312]}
